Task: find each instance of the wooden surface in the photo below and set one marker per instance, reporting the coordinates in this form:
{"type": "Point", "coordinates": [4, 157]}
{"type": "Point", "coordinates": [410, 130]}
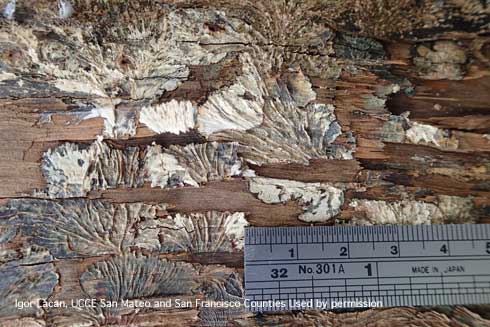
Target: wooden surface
{"type": "Point", "coordinates": [140, 137]}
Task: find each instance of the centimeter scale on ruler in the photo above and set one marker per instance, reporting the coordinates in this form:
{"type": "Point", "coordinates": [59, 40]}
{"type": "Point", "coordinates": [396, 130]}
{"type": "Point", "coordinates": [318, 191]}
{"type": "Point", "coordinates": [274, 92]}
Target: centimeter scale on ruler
{"type": "Point", "coordinates": [287, 267]}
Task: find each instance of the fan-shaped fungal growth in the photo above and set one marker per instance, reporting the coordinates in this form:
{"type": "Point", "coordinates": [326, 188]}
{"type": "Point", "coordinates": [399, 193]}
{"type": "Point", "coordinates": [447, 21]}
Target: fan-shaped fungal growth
{"type": "Point", "coordinates": [79, 227]}
{"type": "Point", "coordinates": [192, 165]}
{"type": "Point", "coordinates": [282, 130]}
{"type": "Point", "coordinates": [300, 88]}
{"type": "Point", "coordinates": [66, 170]}
{"type": "Point", "coordinates": [288, 35]}
{"type": "Point", "coordinates": [164, 170]}
{"type": "Point", "coordinates": [26, 275]}
{"type": "Point", "coordinates": [196, 232]}
{"type": "Point", "coordinates": [448, 209]}
{"type": "Point", "coordinates": [289, 134]}
{"type": "Point", "coordinates": [133, 276]}
{"type": "Point", "coordinates": [155, 59]}
{"type": "Point", "coordinates": [224, 287]}
{"type": "Point", "coordinates": [321, 202]}
{"type": "Point", "coordinates": [173, 117]}
{"type": "Point", "coordinates": [24, 322]}
{"type": "Point", "coordinates": [72, 170]}
{"type": "Point", "coordinates": [117, 123]}
{"type": "Point", "coordinates": [238, 107]}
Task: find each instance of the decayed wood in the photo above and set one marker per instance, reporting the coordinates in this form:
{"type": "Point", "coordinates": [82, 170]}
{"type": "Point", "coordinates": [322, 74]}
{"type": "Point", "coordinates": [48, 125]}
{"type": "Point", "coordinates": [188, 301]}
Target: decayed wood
{"type": "Point", "coordinates": [141, 137]}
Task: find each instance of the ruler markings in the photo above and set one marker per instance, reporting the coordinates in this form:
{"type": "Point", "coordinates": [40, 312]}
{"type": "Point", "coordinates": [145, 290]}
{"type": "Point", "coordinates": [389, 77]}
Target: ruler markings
{"type": "Point", "coordinates": [447, 229]}
{"type": "Point", "coordinates": [338, 294]}
{"type": "Point", "coordinates": [323, 279]}
{"type": "Point", "coordinates": [387, 241]}
{"type": "Point", "coordinates": [454, 253]}
{"type": "Point", "coordinates": [429, 300]}
{"type": "Point", "coordinates": [314, 260]}
{"type": "Point", "coordinates": [472, 235]}
{"type": "Point", "coordinates": [403, 239]}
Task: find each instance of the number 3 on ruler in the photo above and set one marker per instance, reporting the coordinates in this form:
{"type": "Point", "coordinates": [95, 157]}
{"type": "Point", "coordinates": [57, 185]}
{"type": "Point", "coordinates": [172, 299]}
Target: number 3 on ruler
{"type": "Point", "coordinates": [281, 273]}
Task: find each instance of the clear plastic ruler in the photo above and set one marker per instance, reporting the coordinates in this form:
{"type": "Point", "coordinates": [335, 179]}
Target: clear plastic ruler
{"type": "Point", "coordinates": [298, 268]}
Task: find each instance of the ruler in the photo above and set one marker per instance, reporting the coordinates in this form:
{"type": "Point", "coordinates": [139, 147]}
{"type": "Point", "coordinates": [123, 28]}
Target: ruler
{"type": "Point", "coordinates": [320, 267]}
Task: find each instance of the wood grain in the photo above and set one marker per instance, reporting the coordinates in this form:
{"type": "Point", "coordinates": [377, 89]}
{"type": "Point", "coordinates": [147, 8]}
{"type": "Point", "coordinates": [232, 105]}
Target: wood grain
{"type": "Point", "coordinates": [302, 112]}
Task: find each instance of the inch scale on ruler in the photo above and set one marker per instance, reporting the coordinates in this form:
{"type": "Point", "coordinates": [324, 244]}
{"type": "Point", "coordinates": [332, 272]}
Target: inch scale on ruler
{"type": "Point", "coordinates": [291, 268]}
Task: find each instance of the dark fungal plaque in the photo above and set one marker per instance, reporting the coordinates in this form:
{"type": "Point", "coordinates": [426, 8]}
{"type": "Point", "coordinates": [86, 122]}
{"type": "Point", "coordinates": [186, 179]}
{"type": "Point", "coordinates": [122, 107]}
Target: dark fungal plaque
{"type": "Point", "coordinates": [357, 48]}
{"type": "Point", "coordinates": [72, 228]}
{"type": "Point", "coordinates": [27, 274]}
{"type": "Point", "coordinates": [78, 227]}
{"type": "Point", "coordinates": [297, 90]}
{"type": "Point", "coordinates": [133, 276]}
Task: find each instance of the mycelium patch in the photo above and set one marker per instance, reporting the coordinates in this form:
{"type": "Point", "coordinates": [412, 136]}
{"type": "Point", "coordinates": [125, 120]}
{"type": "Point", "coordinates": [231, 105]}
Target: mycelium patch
{"type": "Point", "coordinates": [400, 129]}
{"type": "Point", "coordinates": [79, 227]}
{"type": "Point", "coordinates": [66, 170]}
{"type": "Point", "coordinates": [431, 135]}
{"type": "Point", "coordinates": [237, 107]}
{"type": "Point", "coordinates": [320, 202]}
{"type": "Point", "coordinates": [300, 88]}
{"type": "Point", "coordinates": [126, 278]}
{"type": "Point", "coordinates": [224, 286]}
{"type": "Point", "coordinates": [154, 60]}
{"type": "Point", "coordinates": [117, 123]}
{"type": "Point", "coordinates": [73, 170]}
{"type": "Point", "coordinates": [448, 209]}
{"type": "Point", "coordinates": [119, 120]}
{"type": "Point", "coordinates": [170, 117]}
{"type": "Point", "coordinates": [192, 164]}
{"type": "Point", "coordinates": [196, 232]}
{"type": "Point", "coordinates": [293, 127]}
{"type": "Point", "coordinates": [163, 170]}
{"type": "Point", "coordinates": [445, 60]}
{"type": "Point", "coordinates": [134, 276]}
{"type": "Point", "coordinates": [259, 115]}
{"type": "Point", "coordinates": [275, 47]}
{"type": "Point", "coordinates": [26, 275]}
{"type": "Point", "coordinates": [290, 134]}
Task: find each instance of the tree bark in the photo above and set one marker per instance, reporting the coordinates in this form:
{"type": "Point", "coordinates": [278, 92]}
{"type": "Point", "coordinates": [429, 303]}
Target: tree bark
{"type": "Point", "coordinates": [141, 137]}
